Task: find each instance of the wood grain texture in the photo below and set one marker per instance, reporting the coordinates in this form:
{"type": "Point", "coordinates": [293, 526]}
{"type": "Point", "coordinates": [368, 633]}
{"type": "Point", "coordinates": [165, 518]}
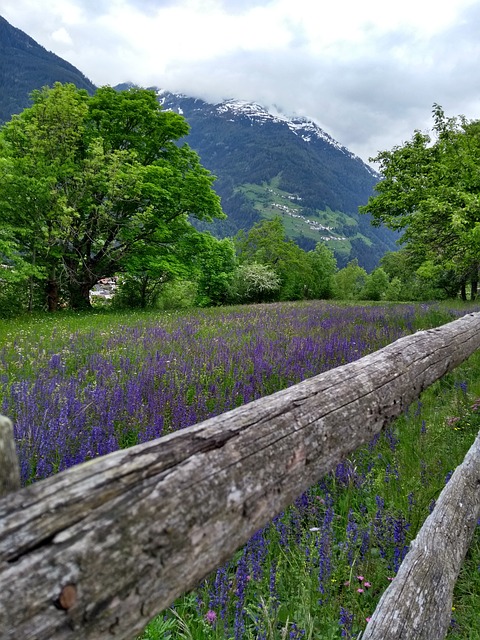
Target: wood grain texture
{"type": "Point", "coordinates": [9, 467]}
{"type": "Point", "coordinates": [117, 539]}
{"type": "Point", "coordinates": [418, 603]}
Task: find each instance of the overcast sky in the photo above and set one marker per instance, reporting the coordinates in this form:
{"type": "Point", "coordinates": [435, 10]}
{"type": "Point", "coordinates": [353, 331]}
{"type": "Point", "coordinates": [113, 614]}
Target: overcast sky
{"type": "Point", "coordinates": [367, 71]}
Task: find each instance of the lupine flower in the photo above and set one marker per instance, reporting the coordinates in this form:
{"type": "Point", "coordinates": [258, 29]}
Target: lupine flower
{"type": "Point", "coordinates": [242, 579]}
{"type": "Point", "coordinates": [463, 386]}
{"type": "Point", "coordinates": [272, 585]}
{"type": "Point", "coordinates": [296, 633]}
{"type": "Point", "coordinates": [97, 393]}
{"type": "Point", "coordinates": [346, 623]}
{"type": "Point", "coordinates": [352, 535]}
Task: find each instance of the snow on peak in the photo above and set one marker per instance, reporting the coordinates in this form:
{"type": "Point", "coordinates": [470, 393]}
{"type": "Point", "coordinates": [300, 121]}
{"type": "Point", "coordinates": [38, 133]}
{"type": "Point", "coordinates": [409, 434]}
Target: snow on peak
{"type": "Point", "coordinates": [303, 127]}
{"type": "Point", "coordinates": [164, 94]}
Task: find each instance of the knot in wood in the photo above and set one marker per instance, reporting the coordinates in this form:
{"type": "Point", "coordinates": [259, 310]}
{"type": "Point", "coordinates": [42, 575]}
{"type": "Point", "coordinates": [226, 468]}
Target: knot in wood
{"type": "Point", "coordinates": [67, 597]}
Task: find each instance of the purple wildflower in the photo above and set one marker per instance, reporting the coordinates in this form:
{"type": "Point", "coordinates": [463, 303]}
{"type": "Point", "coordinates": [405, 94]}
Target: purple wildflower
{"type": "Point", "coordinates": [346, 623]}
{"type": "Point", "coordinates": [210, 617]}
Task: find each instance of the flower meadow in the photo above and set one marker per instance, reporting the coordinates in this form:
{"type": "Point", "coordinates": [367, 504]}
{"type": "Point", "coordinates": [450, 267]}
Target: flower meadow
{"type": "Point", "coordinates": [78, 387]}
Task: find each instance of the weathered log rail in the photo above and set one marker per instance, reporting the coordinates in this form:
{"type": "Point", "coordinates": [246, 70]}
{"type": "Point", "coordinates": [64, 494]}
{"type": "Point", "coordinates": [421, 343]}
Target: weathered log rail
{"type": "Point", "coordinates": [95, 551]}
{"type": "Point", "coordinates": [418, 603]}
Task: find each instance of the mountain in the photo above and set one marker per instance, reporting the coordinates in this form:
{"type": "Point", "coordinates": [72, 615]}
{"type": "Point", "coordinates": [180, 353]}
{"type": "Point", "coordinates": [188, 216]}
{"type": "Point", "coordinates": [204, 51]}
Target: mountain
{"type": "Point", "coordinates": [25, 66]}
{"type": "Point", "coordinates": [268, 164]}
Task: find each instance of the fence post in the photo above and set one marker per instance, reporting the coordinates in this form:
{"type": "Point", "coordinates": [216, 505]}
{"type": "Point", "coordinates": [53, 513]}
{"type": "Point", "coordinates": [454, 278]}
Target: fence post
{"type": "Point", "coordinates": [9, 467]}
{"type": "Point", "coordinates": [418, 603]}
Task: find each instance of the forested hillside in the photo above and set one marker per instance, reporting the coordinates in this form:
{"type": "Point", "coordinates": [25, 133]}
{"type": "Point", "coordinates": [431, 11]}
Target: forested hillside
{"type": "Point", "coordinates": [25, 66]}
{"type": "Point", "coordinates": [300, 170]}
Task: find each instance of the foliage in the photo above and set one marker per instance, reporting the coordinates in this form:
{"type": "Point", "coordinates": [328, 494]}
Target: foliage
{"type": "Point", "coordinates": [178, 294]}
{"type": "Point", "coordinates": [376, 285]}
{"type": "Point", "coordinates": [302, 275]}
{"type": "Point", "coordinates": [254, 282]}
{"type": "Point", "coordinates": [430, 191]}
{"type": "Point", "coordinates": [411, 280]}
{"type": "Point", "coordinates": [94, 185]}
{"type": "Point", "coordinates": [212, 264]}
{"type": "Point", "coordinates": [350, 281]}
{"type": "Point", "coordinates": [324, 267]}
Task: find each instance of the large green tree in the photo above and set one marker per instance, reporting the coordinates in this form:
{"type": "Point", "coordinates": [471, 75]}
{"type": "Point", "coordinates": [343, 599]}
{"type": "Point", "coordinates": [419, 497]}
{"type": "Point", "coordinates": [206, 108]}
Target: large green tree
{"type": "Point", "coordinates": [431, 191]}
{"type": "Point", "coordinates": [87, 183]}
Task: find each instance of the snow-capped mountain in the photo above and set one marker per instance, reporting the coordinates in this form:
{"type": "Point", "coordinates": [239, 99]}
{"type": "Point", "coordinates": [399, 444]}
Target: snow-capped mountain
{"type": "Point", "coordinates": [264, 159]}
{"type": "Point", "coordinates": [300, 126]}
{"type": "Point", "coordinates": [307, 129]}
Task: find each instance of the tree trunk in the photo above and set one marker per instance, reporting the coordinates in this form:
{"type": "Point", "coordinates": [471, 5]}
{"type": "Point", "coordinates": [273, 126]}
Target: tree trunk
{"type": "Point", "coordinates": [30, 294]}
{"type": "Point", "coordinates": [79, 295]}
{"type": "Point", "coordinates": [143, 291]}
{"type": "Point", "coordinates": [464, 291]}
{"type": "Point", "coordinates": [474, 291]}
{"type": "Point", "coordinates": [30, 284]}
{"type": "Point", "coordinates": [52, 294]}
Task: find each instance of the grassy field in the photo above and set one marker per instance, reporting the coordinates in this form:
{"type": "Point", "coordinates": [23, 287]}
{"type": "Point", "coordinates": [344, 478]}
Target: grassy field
{"type": "Point", "coordinates": [79, 386]}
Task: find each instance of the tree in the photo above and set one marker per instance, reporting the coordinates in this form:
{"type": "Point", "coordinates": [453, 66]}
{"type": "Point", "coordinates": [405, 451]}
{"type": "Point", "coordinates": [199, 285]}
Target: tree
{"type": "Point", "coordinates": [212, 265]}
{"type": "Point", "coordinates": [376, 285]}
{"type": "Point", "coordinates": [302, 275]}
{"type": "Point", "coordinates": [15, 272]}
{"type": "Point", "coordinates": [350, 281]}
{"type": "Point", "coordinates": [95, 185]}
{"type": "Point", "coordinates": [431, 191]}
{"type": "Point", "coordinates": [216, 272]}
{"type": "Point", "coordinates": [411, 279]}
{"type": "Point", "coordinates": [324, 267]}
{"type": "Point", "coordinates": [254, 282]}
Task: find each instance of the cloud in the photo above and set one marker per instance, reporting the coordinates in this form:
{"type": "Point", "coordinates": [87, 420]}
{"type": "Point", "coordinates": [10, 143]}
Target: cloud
{"type": "Point", "coordinates": [62, 36]}
{"type": "Point", "coordinates": [367, 72]}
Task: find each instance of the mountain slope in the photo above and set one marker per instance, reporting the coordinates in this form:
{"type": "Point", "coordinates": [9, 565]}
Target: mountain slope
{"type": "Point", "coordinates": [25, 66]}
{"type": "Point", "coordinates": [265, 162]}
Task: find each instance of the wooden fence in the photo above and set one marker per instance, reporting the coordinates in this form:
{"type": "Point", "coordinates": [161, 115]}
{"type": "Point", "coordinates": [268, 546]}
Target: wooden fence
{"type": "Point", "coordinates": [97, 550]}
